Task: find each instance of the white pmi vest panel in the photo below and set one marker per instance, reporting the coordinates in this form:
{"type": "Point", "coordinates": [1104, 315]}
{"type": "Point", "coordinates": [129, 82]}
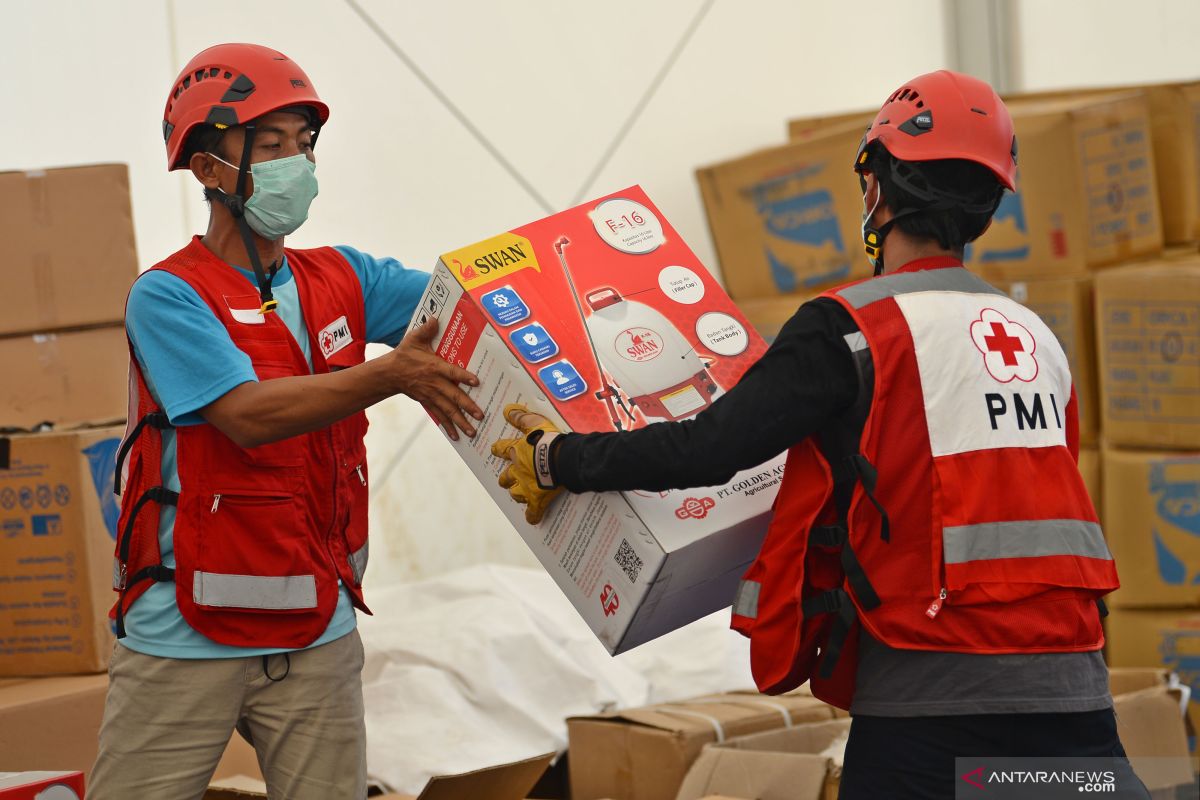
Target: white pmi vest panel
{"type": "Point", "coordinates": [992, 374]}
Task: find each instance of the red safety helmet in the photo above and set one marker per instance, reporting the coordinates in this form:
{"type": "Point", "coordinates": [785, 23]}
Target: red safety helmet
{"type": "Point", "coordinates": [944, 115]}
{"type": "Point", "coordinates": [231, 84]}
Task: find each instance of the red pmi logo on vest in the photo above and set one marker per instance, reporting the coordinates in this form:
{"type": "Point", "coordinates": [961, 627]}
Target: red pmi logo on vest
{"type": "Point", "coordinates": [1007, 347]}
{"type": "Point", "coordinates": [694, 508]}
{"type": "Point", "coordinates": [334, 336]}
{"type": "Point", "coordinates": [609, 600]}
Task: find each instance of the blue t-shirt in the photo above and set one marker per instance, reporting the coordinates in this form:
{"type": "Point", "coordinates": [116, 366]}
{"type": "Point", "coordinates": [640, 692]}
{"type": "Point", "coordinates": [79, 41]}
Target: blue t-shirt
{"type": "Point", "coordinates": [169, 324]}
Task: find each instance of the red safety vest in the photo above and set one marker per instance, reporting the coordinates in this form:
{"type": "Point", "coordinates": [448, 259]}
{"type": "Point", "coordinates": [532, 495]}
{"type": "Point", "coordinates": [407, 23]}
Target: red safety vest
{"type": "Point", "coordinates": [262, 535]}
{"type": "Point", "coordinates": [966, 527]}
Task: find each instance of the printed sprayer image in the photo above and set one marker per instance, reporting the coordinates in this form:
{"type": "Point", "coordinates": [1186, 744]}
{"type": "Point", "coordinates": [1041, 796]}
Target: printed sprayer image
{"type": "Point", "coordinates": [643, 353]}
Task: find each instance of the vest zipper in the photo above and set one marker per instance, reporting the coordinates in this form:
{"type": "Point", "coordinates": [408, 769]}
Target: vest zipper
{"type": "Point", "coordinates": [216, 502]}
{"type": "Point", "coordinates": [935, 607]}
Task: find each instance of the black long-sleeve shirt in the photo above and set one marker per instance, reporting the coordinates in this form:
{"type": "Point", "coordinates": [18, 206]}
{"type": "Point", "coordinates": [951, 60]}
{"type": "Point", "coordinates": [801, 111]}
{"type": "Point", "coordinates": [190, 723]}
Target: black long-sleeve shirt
{"type": "Point", "coordinates": [805, 378]}
{"type": "Point", "coordinates": [803, 381]}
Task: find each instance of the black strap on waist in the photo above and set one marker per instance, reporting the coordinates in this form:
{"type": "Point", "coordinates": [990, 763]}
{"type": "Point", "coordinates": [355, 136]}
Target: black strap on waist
{"type": "Point", "coordinates": [832, 602]}
{"type": "Point", "coordinates": [868, 475]}
{"type": "Point", "coordinates": [1102, 607]}
{"type": "Point", "coordinates": [155, 419]}
{"type": "Point", "coordinates": [155, 572]}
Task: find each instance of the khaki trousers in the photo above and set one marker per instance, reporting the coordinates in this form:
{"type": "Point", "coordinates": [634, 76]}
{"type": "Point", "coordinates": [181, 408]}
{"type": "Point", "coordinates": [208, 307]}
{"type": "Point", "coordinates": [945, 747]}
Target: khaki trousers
{"type": "Point", "coordinates": [167, 721]}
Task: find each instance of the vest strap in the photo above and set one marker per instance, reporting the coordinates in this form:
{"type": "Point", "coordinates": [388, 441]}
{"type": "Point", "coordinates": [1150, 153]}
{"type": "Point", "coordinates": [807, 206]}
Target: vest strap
{"type": "Point", "coordinates": [155, 419]}
{"type": "Point", "coordinates": [857, 577]}
{"type": "Point", "coordinates": [156, 494]}
{"type": "Point", "coordinates": [155, 572]}
{"type": "Point", "coordinates": [868, 475]}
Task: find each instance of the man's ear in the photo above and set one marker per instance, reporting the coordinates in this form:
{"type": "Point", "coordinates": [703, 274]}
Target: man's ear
{"type": "Point", "coordinates": [205, 167]}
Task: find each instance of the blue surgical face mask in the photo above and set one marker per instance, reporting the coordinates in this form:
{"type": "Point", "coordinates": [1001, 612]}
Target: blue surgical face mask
{"type": "Point", "coordinates": [283, 190]}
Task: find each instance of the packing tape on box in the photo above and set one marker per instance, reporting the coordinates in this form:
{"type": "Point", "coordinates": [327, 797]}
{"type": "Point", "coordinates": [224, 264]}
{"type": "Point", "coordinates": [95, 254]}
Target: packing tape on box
{"type": "Point", "coordinates": [713, 721]}
{"type": "Point", "coordinates": [780, 707]}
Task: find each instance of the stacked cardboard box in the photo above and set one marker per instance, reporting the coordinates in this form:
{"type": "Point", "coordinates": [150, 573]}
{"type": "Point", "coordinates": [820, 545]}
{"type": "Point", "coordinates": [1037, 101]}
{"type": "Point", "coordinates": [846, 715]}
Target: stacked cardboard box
{"type": "Point", "coordinates": [71, 258]}
{"type": "Point", "coordinates": [804, 762]}
{"type": "Point", "coordinates": [644, 753]}
{"type": "Point", "coordinates": [1148, 322]}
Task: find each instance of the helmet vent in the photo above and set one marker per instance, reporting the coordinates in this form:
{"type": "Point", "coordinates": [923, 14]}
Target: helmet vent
{"type": "Point", "coordinates": [980, 111]}
{"type": "Point", "coordinates": [920, 104]}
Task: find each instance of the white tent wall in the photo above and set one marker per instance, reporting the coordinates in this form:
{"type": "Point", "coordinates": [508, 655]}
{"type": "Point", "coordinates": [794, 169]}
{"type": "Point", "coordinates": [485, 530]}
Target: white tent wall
{"type": "Point", "coordinates": [454, 120]}
{"type": "Point", "coordinates": [1070, 43]}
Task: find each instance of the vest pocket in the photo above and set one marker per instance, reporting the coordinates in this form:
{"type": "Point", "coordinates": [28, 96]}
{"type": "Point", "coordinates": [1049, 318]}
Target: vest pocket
{"type": "Point", "coordinates": [1011, 561]}
{"type": "Point", "coordinates": [254, 554]}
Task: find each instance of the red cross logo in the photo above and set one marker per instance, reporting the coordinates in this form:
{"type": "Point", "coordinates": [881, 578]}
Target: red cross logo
{"type": "Point", "coordinates": [326, 342]}
{"type": "Point", "coordinates": [1008, 347]}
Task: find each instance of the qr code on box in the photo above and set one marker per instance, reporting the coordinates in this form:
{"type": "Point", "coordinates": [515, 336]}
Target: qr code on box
{"type": "Point", "coordinates": [628, 561]}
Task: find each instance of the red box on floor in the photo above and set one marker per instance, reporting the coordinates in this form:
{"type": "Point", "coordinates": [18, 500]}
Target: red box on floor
{"type": "Point", "coordinates": [41, 785]}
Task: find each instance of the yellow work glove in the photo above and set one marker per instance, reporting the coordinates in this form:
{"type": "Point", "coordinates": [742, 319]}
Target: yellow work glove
{"type": "Point", "coordinates": [527, 477]}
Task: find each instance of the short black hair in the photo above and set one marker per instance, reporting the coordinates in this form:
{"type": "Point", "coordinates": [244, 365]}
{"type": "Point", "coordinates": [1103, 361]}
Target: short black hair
{"type": "Point", "coordinates": [968, 196]}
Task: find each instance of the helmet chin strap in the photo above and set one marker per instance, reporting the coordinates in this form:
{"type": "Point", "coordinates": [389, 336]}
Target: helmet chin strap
{"type": "Point", "coordinates": [236, 203]}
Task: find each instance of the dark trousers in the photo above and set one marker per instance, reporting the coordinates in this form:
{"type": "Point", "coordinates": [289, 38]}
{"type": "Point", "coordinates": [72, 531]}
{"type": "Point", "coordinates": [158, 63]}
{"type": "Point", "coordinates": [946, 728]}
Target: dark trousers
{"type": "Point", "coordinates": [913, 757]}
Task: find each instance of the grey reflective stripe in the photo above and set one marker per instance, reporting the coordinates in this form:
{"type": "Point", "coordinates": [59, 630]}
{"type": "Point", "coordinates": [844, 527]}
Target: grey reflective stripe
{"type": "Point", "coordinates": [358, 561]}
{"type": "Point", "coordinates": [745, 603]}
{"type": "Point", "coordinates": [118, 574]}
{"type": "Point", "coordinates": [1025, 539]}
{"type": "Point", "coordinates": [951, 279]}
{"type": "Point", "coordinates": [856, 341]}
{"type": "Point", "coordinates": [254, 591]}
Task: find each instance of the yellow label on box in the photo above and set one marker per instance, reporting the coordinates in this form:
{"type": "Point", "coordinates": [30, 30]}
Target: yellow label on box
{"type": "Point", "coordinates": [491, 260]}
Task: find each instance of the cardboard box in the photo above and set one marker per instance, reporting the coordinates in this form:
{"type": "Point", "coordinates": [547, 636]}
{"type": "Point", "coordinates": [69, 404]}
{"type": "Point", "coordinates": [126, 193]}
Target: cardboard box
{"type": "Point", "coordinates": [799, 763]}
{"type": "Point", "coordinates": [1166, 639]}
{"type": "Point", "coordinates": [660, 341]}
{"type": "Point", "coordinates": [1091, 468]}
{"type": "Point", "coordinates": [54, 724]}
{"type": "Point", "coordinates": [1086, 193]}
{"type": "Point", "coordinates": [1153, 730]}
{"type": "Point", "coordinates": [1175, 125]}
{"type": "Point", "coordinates": [51, 723]}
{"type": "Point", "coordinates": [69, 248]}
{"type": "Point", "coordinates": [1152, 521]}
{"type": "Point", "coordinates": [769, 315]}
{"type": "Point", "coordinates": [41, 785]}
{"type": "Point", "coordinates": [64, 378]}
{"type": "Point", "coordinates": [504, 782]}
{"type": "Point", "coordinates": [804, 127]}
{"type": "Point", "coordinates": [644, 753]}
{"type": "Point", "coordinates": [788, 219]}
{"type": "Point", "coordinates": [1148, 338]}
{"type": "Point", "coordinates": [1066, 306]}
{"type": "Point", "coordinates": [58, 520]}
{"type": "Point", "coordinates": [1124, 680]}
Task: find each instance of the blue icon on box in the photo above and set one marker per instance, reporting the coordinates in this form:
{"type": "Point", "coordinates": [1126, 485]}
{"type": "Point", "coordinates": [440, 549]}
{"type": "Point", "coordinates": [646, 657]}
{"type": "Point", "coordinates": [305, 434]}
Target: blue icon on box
{"type": "Point", "coordinates": [505, 306]}
{"type": "Point", "coordinates": [46, 524]}
{"type": "Point", "coordinates": [562, 380]}
{"type": "Point", "coordinates": [533, 343]}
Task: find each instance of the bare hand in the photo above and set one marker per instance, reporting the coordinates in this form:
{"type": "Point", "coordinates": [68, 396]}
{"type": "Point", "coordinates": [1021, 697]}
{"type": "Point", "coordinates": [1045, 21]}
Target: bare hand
{"type": "Point", "coordinates": [419, 373]}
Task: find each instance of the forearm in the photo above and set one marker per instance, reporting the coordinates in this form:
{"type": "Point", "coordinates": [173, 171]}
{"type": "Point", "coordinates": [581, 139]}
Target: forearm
{"type": "Point", "coordinates": [253, 414]}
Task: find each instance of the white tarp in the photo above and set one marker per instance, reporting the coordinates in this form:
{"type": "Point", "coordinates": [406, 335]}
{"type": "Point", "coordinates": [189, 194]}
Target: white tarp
{"type": "Point", "coordinates": [483, 666]}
